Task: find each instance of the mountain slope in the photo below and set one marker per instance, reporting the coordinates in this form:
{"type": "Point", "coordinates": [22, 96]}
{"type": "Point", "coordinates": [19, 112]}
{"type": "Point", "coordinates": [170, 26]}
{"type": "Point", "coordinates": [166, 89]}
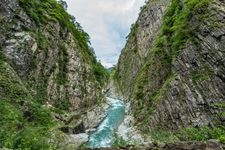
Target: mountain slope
{"type": "Point", "coordinates": [172, 68]}
{"type": "Point", "coordinates": [46, 65]}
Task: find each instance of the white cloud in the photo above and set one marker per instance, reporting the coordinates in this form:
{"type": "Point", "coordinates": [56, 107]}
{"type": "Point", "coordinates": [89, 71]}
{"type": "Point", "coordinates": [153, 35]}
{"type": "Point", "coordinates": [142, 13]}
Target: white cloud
{"type": "Point", "coordinates": [107, 22]}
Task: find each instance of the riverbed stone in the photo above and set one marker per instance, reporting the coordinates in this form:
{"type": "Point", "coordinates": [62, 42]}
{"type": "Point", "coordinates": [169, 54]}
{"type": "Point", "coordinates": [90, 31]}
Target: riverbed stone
{"type": "Point", "coordinates": [95, 116]}
{"type": "Point", "coordinates": [76, 140]}
{"type": "Point", "coordinates": [130, 133]}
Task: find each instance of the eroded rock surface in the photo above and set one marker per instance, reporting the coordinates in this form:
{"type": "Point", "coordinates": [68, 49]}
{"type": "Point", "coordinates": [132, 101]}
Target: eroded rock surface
{"type": "Point", "coordinates": [49, 57]}
{"type": "Point", "coordinates": [170, 82]}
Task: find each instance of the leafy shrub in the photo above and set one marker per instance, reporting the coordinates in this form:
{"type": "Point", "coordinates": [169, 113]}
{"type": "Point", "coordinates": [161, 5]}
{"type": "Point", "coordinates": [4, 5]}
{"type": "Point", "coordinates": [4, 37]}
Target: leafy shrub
{"type": "Point", "coordinates": [202, 134]}
{"type": "Point", "coordinates": [100, 73]}
{"type": "Point", "coordinates": [119, 142]}
{"type": "Point", "coordinates": [158, 136]}
{"type": "Point", "coordinates": [19, 131]}
{"type": "Point", "coordinates": [189, 134]}
{"type": "Point", "coordinates": [24, 122]}
{"type": "Point", "coordinates": [32, 138]}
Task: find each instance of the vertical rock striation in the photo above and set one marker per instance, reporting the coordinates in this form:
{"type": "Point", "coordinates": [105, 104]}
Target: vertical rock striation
{"type": "Point", "coordinates": [139, 43]}
{"type": "Point", "coordinates": [172, 68]}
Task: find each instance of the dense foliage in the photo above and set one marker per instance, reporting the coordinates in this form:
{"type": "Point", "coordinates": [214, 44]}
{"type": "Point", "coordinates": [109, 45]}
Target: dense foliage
{"type": "Point", "coordinates": [43, 11]}
{"type": "Point", "coordinates": [101, 74]}
{"type": "Point", "coordinates": [24, 122]}
{"type": "Point", "coordinates": [177, 30]}
{"type": "Point", "coordinates": [189, 134]}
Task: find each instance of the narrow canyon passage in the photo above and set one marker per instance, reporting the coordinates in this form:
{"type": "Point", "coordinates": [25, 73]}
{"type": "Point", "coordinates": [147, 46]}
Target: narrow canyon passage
{"type": "Point", "coordinates": [61, 63]}
{"type": "Point", "coordinates": [105, 133]}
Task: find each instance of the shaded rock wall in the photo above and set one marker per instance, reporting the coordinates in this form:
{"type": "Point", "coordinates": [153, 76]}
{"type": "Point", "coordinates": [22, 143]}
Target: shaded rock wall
{"type": "Point", "coordinates": [139, 43]}
{"type": "Point", "coordinates": [49, 59]}
{"type": "Point", "coordinates": [172, 67]}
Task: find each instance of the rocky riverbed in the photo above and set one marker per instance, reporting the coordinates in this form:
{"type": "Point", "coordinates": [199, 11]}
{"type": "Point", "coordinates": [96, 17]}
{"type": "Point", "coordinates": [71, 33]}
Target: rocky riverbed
{"type": "Point", "coordinates": [128, 132]}
{"type": "Point", "coordinates": [89, 122]}
{"type": "Point", "coordinates": [97, 117]}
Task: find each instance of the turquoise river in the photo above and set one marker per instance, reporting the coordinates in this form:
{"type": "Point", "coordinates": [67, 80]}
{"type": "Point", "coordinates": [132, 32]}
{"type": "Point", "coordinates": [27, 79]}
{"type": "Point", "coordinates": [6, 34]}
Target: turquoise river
{"type": "Point", "coordinates": [105, 133]}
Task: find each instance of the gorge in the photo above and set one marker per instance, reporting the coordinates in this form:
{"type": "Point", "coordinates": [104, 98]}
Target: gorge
{"type": "Point", "coordinates": [104, 135]}
{"type": "Point", "coordinates": [167, 90]}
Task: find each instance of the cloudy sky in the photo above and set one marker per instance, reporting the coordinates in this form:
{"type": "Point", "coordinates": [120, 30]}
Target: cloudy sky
{"type": "Point", "coordinates": [107, 22]}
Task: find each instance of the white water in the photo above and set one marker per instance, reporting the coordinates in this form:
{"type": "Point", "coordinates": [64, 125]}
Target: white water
{"type": "Point", "coordinates": [104, 135]}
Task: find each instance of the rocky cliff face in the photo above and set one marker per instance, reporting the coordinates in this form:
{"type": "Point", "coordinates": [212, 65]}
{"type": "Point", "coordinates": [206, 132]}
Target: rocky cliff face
{"type": "Point", "coordinates": [172, 68]}
{"type": "Point", "coordinates": [51, 60]}
{"type": "Point", "coordinates": [139, 41]}
{"type": "Point", "coordinates": [45, 61]}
